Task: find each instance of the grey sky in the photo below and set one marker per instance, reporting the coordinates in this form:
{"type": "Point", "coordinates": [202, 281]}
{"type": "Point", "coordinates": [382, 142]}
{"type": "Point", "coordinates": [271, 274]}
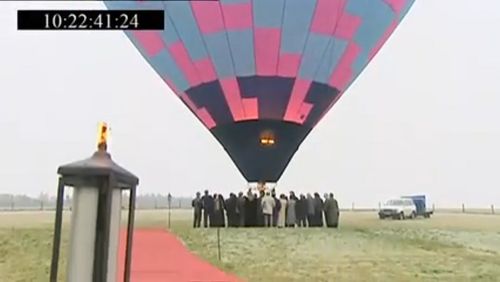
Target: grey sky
{"type": "Point", "coordinates": [422, 118]}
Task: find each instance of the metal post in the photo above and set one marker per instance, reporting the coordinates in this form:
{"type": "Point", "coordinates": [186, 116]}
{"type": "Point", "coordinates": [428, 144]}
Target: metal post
{"type": "Point", "coordinates": [57, 231]}
{"type": "Point", "coordinates": [463, 208]}
{"type": "Point", "coordinates": [492, 209]}
{"type": "Point", "coordinates": [114, 232]}
{"type": "Point", "coordinates": [98, 259]}
{"type": "Point", "coordinates": [352, 207]}
{"type": "Point", "coordinates": [130, 234]}
{"type": "Point", "coordinates": [169, 208]}
{"type": "Point", "coordinates": [218, 243]}
{"type": "Point", "coordinates": [101, 247]}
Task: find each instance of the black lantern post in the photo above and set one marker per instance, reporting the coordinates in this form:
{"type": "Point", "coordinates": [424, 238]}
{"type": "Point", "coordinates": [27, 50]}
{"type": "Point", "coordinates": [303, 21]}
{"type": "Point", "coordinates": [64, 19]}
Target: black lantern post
{"type": "Point", "coordinates": [98, 183]}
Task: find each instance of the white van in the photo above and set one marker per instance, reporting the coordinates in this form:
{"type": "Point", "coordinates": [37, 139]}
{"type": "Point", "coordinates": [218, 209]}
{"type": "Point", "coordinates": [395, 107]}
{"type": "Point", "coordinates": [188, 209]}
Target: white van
{"type": "Point", "coordinates": [398, 209]}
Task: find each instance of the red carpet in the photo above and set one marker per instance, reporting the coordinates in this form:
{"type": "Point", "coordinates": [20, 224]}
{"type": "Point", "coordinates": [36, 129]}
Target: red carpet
{"type": "Point", "coordinates": [158, 256]}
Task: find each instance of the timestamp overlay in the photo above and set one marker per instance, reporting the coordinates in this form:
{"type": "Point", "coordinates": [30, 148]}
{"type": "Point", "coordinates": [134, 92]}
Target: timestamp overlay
{"type": "Point", "coordinates": [90, 19]}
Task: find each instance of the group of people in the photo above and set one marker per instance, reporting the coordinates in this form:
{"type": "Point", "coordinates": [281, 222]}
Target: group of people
{"type": "Point", "coordinates": [265, 209]}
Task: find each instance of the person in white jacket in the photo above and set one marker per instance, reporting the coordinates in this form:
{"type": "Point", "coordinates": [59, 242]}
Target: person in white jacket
{"type": "Point", "coordinates": [267, 209]}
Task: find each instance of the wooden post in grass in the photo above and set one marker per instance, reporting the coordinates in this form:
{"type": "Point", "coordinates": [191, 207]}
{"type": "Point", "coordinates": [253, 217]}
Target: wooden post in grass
{"type": "Point", "coordinates": [169, 206]}
{"type": "Point", "coordinates": [492, 209]}
{"type": "Point", "coordinates": [352, 206]}
{"type": "Point", "coordinates": [218, 243]}
{"type": "Point", "coordinates": [463, 208]}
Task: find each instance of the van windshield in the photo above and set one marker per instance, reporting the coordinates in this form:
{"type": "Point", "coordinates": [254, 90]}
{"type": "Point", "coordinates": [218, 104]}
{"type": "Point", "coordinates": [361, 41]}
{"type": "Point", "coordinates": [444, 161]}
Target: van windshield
{"type": "Point", "coordinates": [395, 203]}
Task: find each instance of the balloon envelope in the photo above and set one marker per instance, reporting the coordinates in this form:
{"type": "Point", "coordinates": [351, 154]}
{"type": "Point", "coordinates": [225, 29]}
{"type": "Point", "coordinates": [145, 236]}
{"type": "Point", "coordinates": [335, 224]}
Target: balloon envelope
{"type": "Point", "coordinates": [260, 74]}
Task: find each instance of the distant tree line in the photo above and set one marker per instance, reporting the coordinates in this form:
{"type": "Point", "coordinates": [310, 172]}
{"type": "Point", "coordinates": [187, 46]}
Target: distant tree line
{"type": "Point", "coordinates": [47, 202]}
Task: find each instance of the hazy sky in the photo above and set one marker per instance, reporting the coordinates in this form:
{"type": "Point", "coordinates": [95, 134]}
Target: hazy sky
{"type": "Point", "coordinates": [422, 118]}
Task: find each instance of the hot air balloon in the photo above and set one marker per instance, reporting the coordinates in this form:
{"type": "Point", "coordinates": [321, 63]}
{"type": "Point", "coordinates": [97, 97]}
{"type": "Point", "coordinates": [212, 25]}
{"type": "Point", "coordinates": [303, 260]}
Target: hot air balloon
{"type": "Point", "coordinates": [260, 74]}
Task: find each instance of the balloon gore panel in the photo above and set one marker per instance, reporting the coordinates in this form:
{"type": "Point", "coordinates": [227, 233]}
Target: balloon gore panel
{"type": "Point", "coordinates": [272, 96]}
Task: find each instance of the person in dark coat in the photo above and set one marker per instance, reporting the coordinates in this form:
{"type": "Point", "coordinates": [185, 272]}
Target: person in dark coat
{"type": "Point", "coordinates": [300, 211]}
{"type": "Point", "coordinates": [240, 209]}
{"type": "Point", "coordinates": [276, 209]}
{"type": "Point", "coordinates": [332, 211]}
{"type": "Point", "coordinates": [250, 209]}
{"type": "Point", "coordinates": [223, 211]}
{"type": "Point", "coordinates": [214, 216]}
{"type": "Point", "coordinates": [255, 210]}
{"type": "Point", "coordinates": [197, 205]}
{"type": "Point", "coordinates": [318, 210]}
{"type": "Point", "coordinates": [219, 208]}
{"type": "Point", "coordinates": [232, 216]}
{"type": "Point", "coordinates": [208, 206]}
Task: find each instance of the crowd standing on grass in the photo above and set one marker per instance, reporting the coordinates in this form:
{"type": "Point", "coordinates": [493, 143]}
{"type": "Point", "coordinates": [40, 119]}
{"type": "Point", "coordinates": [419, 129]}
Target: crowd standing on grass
{"type": "Point", "coordinates": [265, 209]}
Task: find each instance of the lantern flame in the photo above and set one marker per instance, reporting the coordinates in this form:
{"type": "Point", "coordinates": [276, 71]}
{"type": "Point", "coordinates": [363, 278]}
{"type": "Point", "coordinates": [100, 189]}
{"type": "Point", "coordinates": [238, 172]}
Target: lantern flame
{"type": "Point", "coordinates": [102, 136]}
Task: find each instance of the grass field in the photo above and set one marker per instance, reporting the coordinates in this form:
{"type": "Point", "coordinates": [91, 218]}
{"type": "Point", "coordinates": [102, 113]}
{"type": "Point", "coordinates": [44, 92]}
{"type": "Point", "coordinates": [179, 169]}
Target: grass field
{"type": "Point", "coordinates": [447, 247]}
